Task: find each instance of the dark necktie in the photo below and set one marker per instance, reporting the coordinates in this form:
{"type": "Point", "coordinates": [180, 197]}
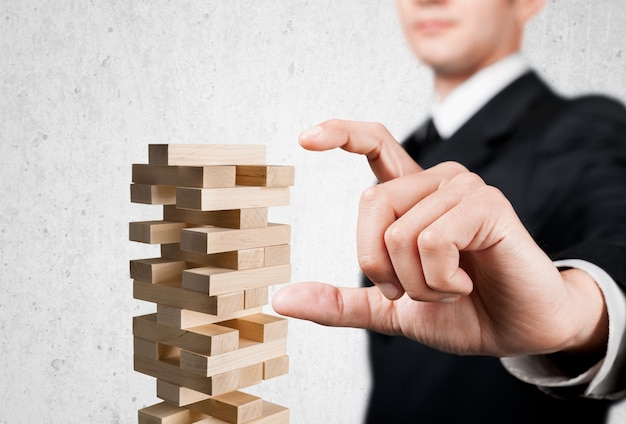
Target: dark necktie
{"type": "Point", "coordinates": [432, 135]}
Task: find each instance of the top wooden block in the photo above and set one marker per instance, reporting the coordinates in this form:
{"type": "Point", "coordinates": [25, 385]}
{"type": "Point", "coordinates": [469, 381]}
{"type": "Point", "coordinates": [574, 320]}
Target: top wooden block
{"type": "Point", "coordinates": [206, 154]}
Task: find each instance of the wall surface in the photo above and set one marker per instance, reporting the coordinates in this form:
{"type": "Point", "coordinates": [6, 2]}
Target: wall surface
{"type": "Point", "coordinates": [86, 86]}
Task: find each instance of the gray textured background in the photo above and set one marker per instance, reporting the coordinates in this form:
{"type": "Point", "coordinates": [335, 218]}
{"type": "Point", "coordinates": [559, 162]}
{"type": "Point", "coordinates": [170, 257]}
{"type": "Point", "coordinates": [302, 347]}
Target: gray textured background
{"type": "Point", "coordinates": [86, 86]}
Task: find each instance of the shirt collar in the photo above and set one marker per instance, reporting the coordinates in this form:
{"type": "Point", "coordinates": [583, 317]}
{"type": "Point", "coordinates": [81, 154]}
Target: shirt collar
{"type": "Point", "coordinates": [465, 100]}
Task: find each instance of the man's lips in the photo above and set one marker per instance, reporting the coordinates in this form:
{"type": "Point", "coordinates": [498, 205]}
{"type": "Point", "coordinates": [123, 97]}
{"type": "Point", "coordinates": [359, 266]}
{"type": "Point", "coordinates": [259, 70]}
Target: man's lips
{"type": "Point", "coordinates": [433, 25]}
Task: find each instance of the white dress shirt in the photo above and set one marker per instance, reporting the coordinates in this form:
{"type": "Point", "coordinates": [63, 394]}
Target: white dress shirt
{"type": "Point", "coordinates": [449, 114]}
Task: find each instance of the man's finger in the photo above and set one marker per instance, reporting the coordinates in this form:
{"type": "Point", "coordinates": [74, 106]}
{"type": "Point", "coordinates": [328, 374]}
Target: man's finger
{"type": "Point", "coordinates": [386, 156]}
{"type": "Point", "coordinates": [338, 307]}
{"type": "Point", "coordinates": [386, 243]}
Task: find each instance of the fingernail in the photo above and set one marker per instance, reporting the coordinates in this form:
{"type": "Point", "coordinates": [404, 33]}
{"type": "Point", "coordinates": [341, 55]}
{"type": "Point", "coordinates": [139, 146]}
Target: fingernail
{"type": "Point", "coordinates": [313, 133]}
{"type": "Point", "coordinates": [389, 290]}
{"type": "Point", "coordinates": [450, 299]}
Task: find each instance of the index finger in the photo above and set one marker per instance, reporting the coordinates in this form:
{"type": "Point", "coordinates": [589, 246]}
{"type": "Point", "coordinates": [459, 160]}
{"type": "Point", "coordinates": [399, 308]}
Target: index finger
{"type": "Point", "coordinates": [385, 155]}
{"type": "Point", "coordinates": [363, 307]}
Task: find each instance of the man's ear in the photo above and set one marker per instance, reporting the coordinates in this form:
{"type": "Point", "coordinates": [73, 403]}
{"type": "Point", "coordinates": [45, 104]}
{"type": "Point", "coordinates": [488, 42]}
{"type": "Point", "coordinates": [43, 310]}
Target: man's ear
{"type": "Point", "coordinates": [527, 9]}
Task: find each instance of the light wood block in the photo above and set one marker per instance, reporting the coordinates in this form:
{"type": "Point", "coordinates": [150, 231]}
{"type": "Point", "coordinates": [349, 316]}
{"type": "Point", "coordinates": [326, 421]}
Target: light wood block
{"type": "Point", "coordinates": [178, 395]}
{"type": "Point", "coordinates": [206, 154]}
{"type": "Point", "coordinates": [217, 239]}
{"type": "Point", "coordinates": [253, 298]}
{"type": "Point", "coordinates": [185, 176]}
{"type": "Point", "coordinates": [251, 375]}
{"type": "Point", "coordinates": [249, 353]}
{"type": "Point", "coordinates": [259, 327]}
{"type": "Point", "coordinates": [169, 370]}
{"type": "Point", "coordinates": [157, 270]}
{"type": "Point", "coordinates": [153, 350]}
{"type": "Point", "coordinates": [184, 318]}
{"type": "Point", "coordinates": [155, 232]}
{"type": "Point", "coordinates": [152, 194]}
{"type": "Point", "coordinates": [240, 197]}
{"type": "Point", "coordinates": [238, 259]}
{"type": "Point", "coordinates": [273, 414]}
{"type": "Point", "coordinates": [277, 255]}
{"type": "Point", "coordinates": [275, 367]}
{"type": "Point", "coordinates": [165, 413]}
{"type": "Point", "coordinates": [214, 281]}
{"type": "Point", "coordinates": [174, 295]}
{"type": "Point", "coordinates": [207, 339]}
{"type": "Point", "coordinates": [234, 407]}
{"type": "Point", "coordinates": [265, 175]}
{"type": "Point", "coordinates": [232, 218]}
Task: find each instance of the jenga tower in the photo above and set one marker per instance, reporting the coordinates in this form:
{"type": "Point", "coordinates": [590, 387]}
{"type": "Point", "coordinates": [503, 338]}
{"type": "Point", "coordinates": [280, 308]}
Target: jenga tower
{"type": "Point", "coordinates": [218, 255]}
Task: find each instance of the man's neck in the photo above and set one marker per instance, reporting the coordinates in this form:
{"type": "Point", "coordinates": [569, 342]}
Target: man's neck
{"type": "Point", "coordinates": [445, 84]}
{"type": "Point", "coordinates": [445, 81]}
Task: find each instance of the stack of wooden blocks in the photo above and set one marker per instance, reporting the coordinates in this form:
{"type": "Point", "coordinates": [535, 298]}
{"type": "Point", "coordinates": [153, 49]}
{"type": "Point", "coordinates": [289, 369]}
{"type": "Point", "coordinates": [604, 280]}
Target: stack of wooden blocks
{"type": "Point", "coordinates": [209, 337]}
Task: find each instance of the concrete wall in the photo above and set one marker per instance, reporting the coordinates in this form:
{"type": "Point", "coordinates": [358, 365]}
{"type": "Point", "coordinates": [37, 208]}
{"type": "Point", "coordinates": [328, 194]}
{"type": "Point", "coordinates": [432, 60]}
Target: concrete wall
{"type": "Point", "coordinates": [86, 86]}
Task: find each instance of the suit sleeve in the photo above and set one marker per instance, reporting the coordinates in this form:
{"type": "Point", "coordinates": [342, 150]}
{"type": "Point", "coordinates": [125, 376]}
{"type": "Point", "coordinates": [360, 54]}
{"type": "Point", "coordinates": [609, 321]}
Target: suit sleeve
{"type": "Point", "coordinates": [590, 209]}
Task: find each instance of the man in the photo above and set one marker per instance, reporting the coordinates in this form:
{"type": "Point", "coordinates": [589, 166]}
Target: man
{"type": "Point", "coordinates": [506, 241]}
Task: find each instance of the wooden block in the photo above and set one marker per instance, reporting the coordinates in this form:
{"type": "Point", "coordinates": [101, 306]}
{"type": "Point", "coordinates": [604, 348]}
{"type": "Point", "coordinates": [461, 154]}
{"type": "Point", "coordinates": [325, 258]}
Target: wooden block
{"type": "Point", "coordinates": [146, 348]}
{"type": "Point", "coordinates": [216, 239]}
{"type": "Point", "coordinates": [174, 295]}
{"type": "Point", "coordinates": [238, 259]}
{"type": "Point", "coordinates": [155, 232]}
{"type": "Point", "coordinates": [277, 255]}
{"type": "Point", "coordinates": [178, 395]}
{"type": "Point", "coordinates": [156, 270]}
{"type": "Point", "coordinates": [253, 298]}
{"type": "Point", "coordinates": [275, 367]}
{"type": "Point", "coordinates": [214, 281]}
{"type": "Point", "coordinates": [249, 353]}
{"type": "Point", "coordinates": [165, 413]}
{"type": "Point", "coordinates": [235, 407]}
{"type": "Point", "coordinates": [240, 197]}
{"type": "Point", "coordinates": [186, 176]}
{"type": "Point", "coordinates": [184, 318]}
{"type": "Point", "coordinates": [206, 154]}
{"type": "Point", "coordinates": [207, 339]}
{"type": "Point", "coordinates": [233, 218]}
{"type": "Point", "coordinates": [273, 414]}
{"type": "Point", "coordinates": [172, 251]}
{"type": "Point", "coordinates": [153, 350]}
{"type": "Point", "coordinates": [152, 194]}
{"type": "Point", "coordinates": [251, 375]}
{"type": "Point", "coordinates": [259, 327]}
{"type": "Point", "coordinates": [169, 370]}
{"type": "Point", "coordinates": [265, 175]}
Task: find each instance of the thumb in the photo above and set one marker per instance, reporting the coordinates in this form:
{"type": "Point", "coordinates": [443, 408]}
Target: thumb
{"type": "Point", "coordinates": [333, 306]}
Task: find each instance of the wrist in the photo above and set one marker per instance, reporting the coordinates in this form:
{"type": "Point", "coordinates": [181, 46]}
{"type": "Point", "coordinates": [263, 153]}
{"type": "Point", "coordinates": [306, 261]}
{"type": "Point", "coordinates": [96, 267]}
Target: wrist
{"type": "Point", "coordinates": [589, 317]}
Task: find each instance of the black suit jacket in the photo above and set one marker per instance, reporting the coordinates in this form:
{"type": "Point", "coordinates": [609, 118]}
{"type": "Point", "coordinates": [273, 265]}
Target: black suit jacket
{"type": "Point", "coordinates": [562, 164]}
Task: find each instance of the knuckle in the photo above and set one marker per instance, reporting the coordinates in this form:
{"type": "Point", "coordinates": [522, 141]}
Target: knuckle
{"type": "Point", "coordinates": [430, 239]}
{"type": "Point", "coordinates": [471, 178]}
{"type": "Point", "coordinates": [372, 194]}
{"type": "Point", "coordinates": [396, 238]}
{"type": "Point", "coordinates": [378, 127]}
{"type": "Point", "coordinates": [453, 168]}
{"type": "Point", "coordinates": [371, 266]}
{"type": "Point", "coordinates": [491, 192]}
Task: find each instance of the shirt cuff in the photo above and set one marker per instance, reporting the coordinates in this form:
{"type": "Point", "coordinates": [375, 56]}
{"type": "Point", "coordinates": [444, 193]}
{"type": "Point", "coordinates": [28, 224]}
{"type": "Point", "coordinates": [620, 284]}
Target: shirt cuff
{"type": "Point", "coordinates": [602, 378]}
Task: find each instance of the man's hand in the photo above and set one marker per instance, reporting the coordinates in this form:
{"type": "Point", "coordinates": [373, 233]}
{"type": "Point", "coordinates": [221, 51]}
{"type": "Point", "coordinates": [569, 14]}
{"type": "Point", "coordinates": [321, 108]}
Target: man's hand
{"type": "Point", "coordinates": [453, 265]}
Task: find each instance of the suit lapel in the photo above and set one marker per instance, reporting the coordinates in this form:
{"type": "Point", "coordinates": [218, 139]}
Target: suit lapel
{"type": "Point", "coordinates": [498, 120]}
